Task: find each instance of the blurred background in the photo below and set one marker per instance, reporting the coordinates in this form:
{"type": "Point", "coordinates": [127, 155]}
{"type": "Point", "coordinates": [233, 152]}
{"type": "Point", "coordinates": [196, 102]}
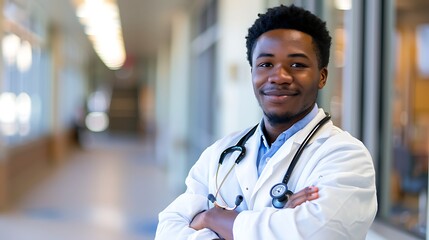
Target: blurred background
{"type": "Point", "coordinates": [105, 105]}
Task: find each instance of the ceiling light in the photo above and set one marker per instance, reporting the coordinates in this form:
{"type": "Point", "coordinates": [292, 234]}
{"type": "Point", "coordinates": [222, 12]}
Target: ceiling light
{"type": "Point", "coordinates": [102, 24]}
{"type": "Point", "coordinates": [343, 4]}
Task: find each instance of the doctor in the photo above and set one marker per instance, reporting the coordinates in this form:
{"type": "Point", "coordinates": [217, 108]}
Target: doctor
{"type": "Point", "coordinates": [329, 191]}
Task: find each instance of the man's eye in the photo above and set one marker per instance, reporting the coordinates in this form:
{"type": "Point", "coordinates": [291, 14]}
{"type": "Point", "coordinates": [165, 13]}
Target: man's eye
{"type": "Point", "coordinates": [265, 65]}
{"type": "Point", "coordinates": [298, 65]}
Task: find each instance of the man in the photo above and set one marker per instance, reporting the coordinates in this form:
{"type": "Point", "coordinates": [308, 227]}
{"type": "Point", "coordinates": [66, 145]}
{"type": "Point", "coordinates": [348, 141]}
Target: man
{"type": "Point", "coordinates": [288, 51]}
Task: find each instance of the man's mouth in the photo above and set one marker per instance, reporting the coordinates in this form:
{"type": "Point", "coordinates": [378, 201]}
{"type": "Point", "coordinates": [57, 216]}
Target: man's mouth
{"type": "Point", "coordinates": [279, 92]}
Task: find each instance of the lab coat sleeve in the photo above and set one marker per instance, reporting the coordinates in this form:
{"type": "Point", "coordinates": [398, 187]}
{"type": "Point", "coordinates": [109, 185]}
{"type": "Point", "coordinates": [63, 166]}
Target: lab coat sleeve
{"type": "Point", "coordinates": [346, 206]}
{"type": "Point", "coordinates": [175, 219]}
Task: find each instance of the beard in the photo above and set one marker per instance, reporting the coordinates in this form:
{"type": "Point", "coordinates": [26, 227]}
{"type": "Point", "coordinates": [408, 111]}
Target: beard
{"type": "Point", "coordinates": [287, 117]}
{"type": "Point", "coordinates": [275, 119]}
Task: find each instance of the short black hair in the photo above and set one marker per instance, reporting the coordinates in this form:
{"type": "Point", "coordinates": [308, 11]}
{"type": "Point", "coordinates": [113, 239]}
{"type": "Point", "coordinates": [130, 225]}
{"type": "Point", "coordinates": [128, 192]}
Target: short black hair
{"type": "Point", "coordinates": [291, 17]}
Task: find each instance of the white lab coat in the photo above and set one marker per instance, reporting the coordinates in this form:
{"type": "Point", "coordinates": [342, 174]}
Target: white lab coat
{"type": "Point", "coordinates": [336, 162]}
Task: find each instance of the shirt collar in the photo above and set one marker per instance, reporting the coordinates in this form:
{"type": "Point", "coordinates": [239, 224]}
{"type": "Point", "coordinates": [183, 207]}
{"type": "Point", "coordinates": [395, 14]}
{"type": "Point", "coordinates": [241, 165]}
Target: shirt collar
{"type": "Point", "coordinates": [290, 131]}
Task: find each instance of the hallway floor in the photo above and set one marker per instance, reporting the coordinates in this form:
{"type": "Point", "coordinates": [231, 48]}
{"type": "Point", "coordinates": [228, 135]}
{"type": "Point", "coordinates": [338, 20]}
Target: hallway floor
{"type": "Point", "coordinates": [108, 190]}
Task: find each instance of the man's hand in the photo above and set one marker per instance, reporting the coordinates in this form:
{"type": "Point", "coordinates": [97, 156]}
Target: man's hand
{"type": "Point", "coordinates": [221, 221]}
{"type": "Point", "coordinates": [216, 219]}
{"type": "Point", "coordinates": [198, 221]}
{"type": "Point", "coordinates": [306, 194]}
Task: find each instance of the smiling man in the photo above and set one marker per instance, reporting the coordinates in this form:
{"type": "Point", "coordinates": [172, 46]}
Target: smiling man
{"type": "Point", "coordinates": [293, 176]}
{"type": "Point", "coordinates": [286, 78]}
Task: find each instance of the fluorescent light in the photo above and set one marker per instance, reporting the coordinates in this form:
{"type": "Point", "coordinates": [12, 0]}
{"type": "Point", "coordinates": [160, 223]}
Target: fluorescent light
{"type": "Point", "coordinates": [102, 24]}
{"type": "Point", "coordinates": [343, 4]}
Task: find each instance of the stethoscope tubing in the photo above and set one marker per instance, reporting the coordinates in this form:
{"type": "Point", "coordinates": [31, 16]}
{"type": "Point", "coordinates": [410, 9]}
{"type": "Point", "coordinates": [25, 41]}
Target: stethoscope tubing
{"type": "Point", "coordinates": [241, 148]}
{"type": "Point", "coordinates": [304, 143]}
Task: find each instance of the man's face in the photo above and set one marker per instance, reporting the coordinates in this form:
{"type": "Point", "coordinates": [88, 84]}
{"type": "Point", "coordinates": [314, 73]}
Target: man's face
{"type": "Point", "coordinates": [285, 75]}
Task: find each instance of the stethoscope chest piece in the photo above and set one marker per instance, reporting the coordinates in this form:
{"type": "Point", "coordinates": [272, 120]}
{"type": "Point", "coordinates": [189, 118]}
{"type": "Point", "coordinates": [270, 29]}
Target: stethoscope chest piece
{"type": "Point", "coordinates": [280, 194]}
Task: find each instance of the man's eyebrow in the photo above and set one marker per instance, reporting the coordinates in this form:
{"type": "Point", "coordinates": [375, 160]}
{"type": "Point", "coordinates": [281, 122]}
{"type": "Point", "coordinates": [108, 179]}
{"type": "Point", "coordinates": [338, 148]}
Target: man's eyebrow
{"type": "Point", "coordinates": [302, 55]}
{"type": "Point", "coordinates": [292, 55]}
{"type": "Point", "coordinates": [265, 55]}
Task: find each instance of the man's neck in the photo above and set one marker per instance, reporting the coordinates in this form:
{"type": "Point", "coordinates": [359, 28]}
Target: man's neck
{"type": "Point", "coordinates": [273, 129]}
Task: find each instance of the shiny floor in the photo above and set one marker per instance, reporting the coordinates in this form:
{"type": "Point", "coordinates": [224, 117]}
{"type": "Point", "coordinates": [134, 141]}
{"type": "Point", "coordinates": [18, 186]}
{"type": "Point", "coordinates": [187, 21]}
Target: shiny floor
{"type": "Point", "coordinates": [110, 189]}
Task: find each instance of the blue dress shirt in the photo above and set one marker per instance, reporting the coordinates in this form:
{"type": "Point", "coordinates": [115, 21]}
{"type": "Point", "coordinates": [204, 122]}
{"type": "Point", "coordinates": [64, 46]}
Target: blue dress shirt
{"type": "Point", "coordinates": [266, 151]}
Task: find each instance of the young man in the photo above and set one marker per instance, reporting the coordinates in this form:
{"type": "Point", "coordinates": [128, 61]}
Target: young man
{"type": "Point", "coordinates": [288, 51]}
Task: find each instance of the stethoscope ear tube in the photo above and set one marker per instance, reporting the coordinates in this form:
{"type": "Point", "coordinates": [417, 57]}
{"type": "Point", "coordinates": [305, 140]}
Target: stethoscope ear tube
{"type": "Point", "coordinates": [242, 151]}
{"type": "Point", "coordinates": [238, 201]}
{"type": "Point", "coordinates": [211, 198]}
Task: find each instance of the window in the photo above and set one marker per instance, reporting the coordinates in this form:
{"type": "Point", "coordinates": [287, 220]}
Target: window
{"type": "Point", "coordinates": [410, 119]}
{"type": "Point", "coordinates": [24, 86]}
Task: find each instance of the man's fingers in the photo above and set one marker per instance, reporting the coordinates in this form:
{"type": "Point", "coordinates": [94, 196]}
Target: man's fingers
{"type": "Point", "coordinates": [307, 194]}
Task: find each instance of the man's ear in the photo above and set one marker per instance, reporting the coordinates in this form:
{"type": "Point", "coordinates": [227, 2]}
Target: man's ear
{"type": "Point", "coordinates": [323, 77]}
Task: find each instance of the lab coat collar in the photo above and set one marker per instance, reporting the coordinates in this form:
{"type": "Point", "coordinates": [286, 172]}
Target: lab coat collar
{"type": "Point", "coordinates": [286, 151]}
{"type": "Point", "coordinates": [302, 134]}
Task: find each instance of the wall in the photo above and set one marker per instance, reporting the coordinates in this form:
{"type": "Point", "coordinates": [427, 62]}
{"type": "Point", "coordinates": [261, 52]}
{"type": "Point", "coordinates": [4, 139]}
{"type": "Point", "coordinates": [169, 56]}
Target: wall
{"type": "Point", "coordinates": [56, 83]}
{"type": "Point", "coordinates": [237, 108]}
{"type": "Point", "coordinates": [177, 95]}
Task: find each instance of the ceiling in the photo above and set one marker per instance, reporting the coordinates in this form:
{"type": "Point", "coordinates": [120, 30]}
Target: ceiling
{"type": "Point", "coordinates": [145, 23]}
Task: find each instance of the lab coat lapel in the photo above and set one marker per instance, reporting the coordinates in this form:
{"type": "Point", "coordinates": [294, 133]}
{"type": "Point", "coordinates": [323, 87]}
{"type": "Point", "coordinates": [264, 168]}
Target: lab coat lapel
{"type": "Point", "coordinates": [247, 174]}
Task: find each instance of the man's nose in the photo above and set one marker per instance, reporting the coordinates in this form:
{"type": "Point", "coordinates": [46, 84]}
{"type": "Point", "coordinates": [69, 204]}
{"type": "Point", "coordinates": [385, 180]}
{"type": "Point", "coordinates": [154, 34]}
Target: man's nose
{"type": "Point", "coordinates": [280, 75]}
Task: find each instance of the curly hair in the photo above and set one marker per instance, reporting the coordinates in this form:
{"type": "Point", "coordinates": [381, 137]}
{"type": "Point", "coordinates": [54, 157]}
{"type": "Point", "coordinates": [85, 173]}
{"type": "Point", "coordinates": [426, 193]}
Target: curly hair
{"type": "Point", "coordinates": [291, 17]}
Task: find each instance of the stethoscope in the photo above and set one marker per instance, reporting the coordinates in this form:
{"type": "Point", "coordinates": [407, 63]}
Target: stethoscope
{"type": "Point", "coordinates": [279, 192]}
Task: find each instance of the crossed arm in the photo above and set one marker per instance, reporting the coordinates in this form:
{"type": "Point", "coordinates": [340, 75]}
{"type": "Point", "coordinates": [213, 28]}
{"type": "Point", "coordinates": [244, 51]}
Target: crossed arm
{"type": "Point", "coordinates": [221, 221]}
